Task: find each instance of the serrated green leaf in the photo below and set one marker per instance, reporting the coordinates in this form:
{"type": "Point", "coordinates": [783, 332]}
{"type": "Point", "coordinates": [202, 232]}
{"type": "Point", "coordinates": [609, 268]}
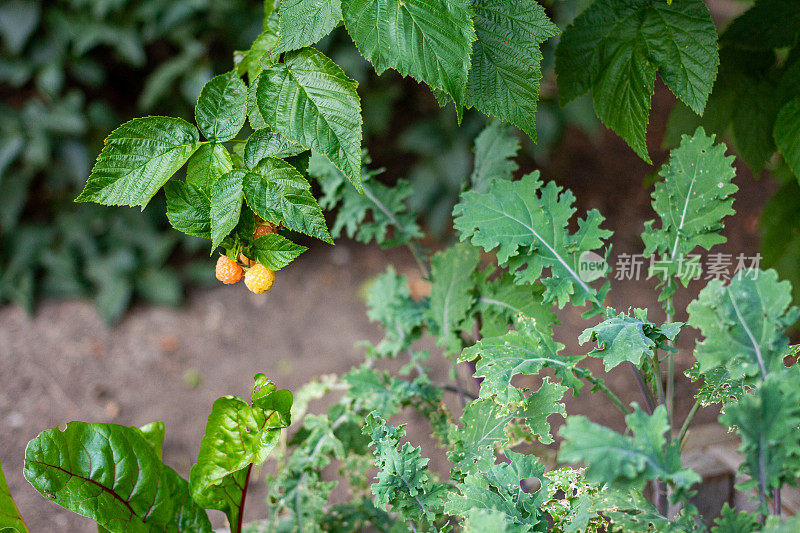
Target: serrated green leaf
{"type": "Point", "coordinates": [188, 209]}
{"type": "Point", "coordinates": [318, 107]}
{"type": "Point", "coordinates": [495, 150]}
{"type": "Point", "coordinates": [626, 461]}
{"type": "Point", "coordinates": [500, 301]}
{"type": "Point", "coordinates": [451, 294]}
{"type": "Point", "coordinates": [731, 520]}
{"type": "Point", "coordinates": [226, 205]}
{"type": "Point", "coordinates": [527, 223]}
{"type": "Point", "coordinates": [237, 437]}
{"type": "Point", "coordinates": [692, 201]}
{"type": "Point", "coordinates": [787, 134]}
{"type": "Point", "coordinates": [210, 162]}
{"type": "Point", "coordinates": [10, 518]}
{"type": "Point", "coordinates": [483, 520]}
{"type": "Point", "coordinates": [260, 54]}
{"type": "Point", "coordinates": [429, 40]}
{"type": "Point", "coordinates": [278, 193]}
{"type": "Point", "coordinates": [505, 71]}
{"type": "Point", "coordinates": [304, 22]}
{"type": "Point", "coordinates": [112, 475]}
{"type": "Point", "coordinates": [222, 107]}
{"type": "Point", "coordinates": [743, 323]}
{"type": "Point", "coordinates": [266, 143]}
{"type": "Point", "coordinates": [275, 251]}
{"type": "Point", "coordinates": [389, 302]}
{"type": "Point", "coordinates": [614, 49]}
{"type": "Point", "coordinates": [137, 160]}
{"type": "Point", "coordinates": [768, 24]}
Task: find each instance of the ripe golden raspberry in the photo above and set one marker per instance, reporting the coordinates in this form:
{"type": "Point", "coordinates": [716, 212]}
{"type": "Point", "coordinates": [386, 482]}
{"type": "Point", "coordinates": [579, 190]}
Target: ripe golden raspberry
{"type": "Point", "coordinates": [259, 278]}
{"type": "Point", "coordinates": [264, 229]}
{"type": "Point", "coordinates": [228, 272]}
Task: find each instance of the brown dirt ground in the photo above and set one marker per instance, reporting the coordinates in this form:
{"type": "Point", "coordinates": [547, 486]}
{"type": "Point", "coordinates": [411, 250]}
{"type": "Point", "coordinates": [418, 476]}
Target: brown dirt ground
{"type": "Point", "coordinates": [64, 364]}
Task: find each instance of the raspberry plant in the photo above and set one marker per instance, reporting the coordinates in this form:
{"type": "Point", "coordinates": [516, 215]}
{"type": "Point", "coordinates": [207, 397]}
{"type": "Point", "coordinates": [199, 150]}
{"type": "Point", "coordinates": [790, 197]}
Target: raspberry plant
{"type": "Point", "coordinates": [493, 297]}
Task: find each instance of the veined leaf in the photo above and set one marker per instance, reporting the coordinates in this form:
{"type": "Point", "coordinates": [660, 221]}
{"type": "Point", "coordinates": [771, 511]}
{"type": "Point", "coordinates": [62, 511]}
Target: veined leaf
{"type": "Point", "coordinates": [505, 72]}
{"type": "Point", "coordinates": [209, 163]}
{"type": "Point", "coordinates": [495, 150]}
{"type": "Point", "coordinates": [304, 22]}
{"type": "Point", "coordinates": [389, 302]}
{"type": "Point", "coordinates": [226, 205]}
{"type": "Point", "coordinates": [266, 143]}
{"type": "Point", "coordinates": [237, 437]}
{"type": "Point", "coordinates": [188, 209]}
{"type": "Point", "coordinates": [10, 519]}
{"type": "Point", "coordinates": [692, 201]}
{"type": "Point", "coordinates": [277, 192]}
{"type": "Point", "coordinates": [744, 324]}
{"type": "Point", "coordinates": [787, 134]}
{"type": "Point", "coordinates": [527, 223]}
{"type": "Point", "coordinates": [429, 40]}
{"type": "Point", "coordinates": [222, 107]}
{"type": "Point", "coordinates": [113, 475]}
{"type": "Point", "coordinates": [309, 100]}
{"type": "Point", "coordinates": [626, 461]}
{"type": "Point", "coordinates": [137, 160]}
{"type": "Point", "coordinates": [614, 49]}
{"type": "Point", "coordinates": [275, 251]}
{"type": "Point", "coordinates": [451, 294]}
{"type": "Point", "coordinates": [261, 54]}
{"type": "Point", "coordinates": [501, 301]}
{"type": "Point", "coordinates": [154, 433]}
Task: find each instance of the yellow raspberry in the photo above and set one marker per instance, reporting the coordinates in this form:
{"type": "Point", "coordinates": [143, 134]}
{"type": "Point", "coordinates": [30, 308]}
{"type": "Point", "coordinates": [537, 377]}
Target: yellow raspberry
{"type": "Point", "coordinates": [264, 229]}
{"type": "Point", "coordinates": [228, 272]}
{"type": "Point", "coordinates": [259, 278]}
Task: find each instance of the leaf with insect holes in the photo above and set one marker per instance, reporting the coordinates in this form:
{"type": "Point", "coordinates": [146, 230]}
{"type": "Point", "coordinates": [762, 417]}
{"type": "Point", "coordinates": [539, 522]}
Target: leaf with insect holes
{"type": "Point", "coordinates": [275, 251]}
{"type": "Point", "coordinates": [222, 107]}
{"type": "Point", "coordinates": [309, 100]}
{"type": "Point", "coordinates": [528, 225]}
{"type": "Point", "coordinates": [238, 436]}
{"type": "Point", "coordinates": [430, 40]}
{"type": "Point", "coordinates": [278, 193]}
{"type": "Point", "coordinates": [188, 209]}
{"type": "Point", "coordinates": [615, 47]}
{"type": "Point", "coordinates": [137, 160]}
{"type": "Point", "coordinates": [113, 475]}
{"type": "Point", "coordinates": [304, 22]}
{"type": "Point", "coordinates": [226, 205]}
{"type": "Point", "coordinates": [506, 61]}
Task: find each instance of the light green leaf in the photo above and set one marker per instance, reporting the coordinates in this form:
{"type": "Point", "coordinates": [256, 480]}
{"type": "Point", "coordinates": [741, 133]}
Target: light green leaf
{"type": "Point", "coordinates": [237, 437]}
{"type": "Point", "coordinates": [210, 162]}
{"type": "Point", "coordinates": [154, 433]}
{"type": "Point", "coordinates": [787, 134]}
{"type": "Point", "coordinates": [316, 106]}
{"type": "Point", "coordinates": [266, 143]}
{"type": "Point", "coordinates": [429, 40]}
{"type": "Point", "coordinates": [113, 475]}
{"type": "Point", "coordinates": [226, 205]}
{"type": "Point", "coordinates": [261, 54]}
{"type": "Point", "coordinates": [500, 301]}
{"type": "Point", "coordinates": [495, 150]}
{"type": "Point", "coordinates": [483, 520]}
{"type": "Point", "coordinates": [692, 201]}
{"type": "Point", "coordinates": [389, 302]}
{"type": "Point", "coordinates": [744, 324]}
{"type": "Point", "coordinates": [222, 107]}
{"type": "Point", "coordinates": [527, 223]}
{"type": "Point", "coordinates": [137, 159]}
{"type": "Point", "coordinates": [451, 294]}
{"type": "Point", "coordinates": [505, 72]}
{"type": "Point", "coordinates": [275, 251]}
{"type": "Point", "coordinates": [188, 209]}
{"type": "Point", "coordinates": [304, 22]}
{"type": "Point", "coordinates": [614, 49]}
{"type": "Point", "coordinates": [278, 193]}
{"type": "Point", "coordinates": [10, 518]}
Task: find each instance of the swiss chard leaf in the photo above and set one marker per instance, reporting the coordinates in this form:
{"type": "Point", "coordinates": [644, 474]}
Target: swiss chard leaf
{"type": "Point", "coordinates": [304, 22]}
{"type": "Point", "coordinates": [317, 106]}
{"type": "Point", "coordinates": [137, 160]}
{"type": "Point", "coordinates": [111, 474]}
{"type": "Point", "coordinates": [10, 518]}
{"type": "Point", "coordinates": [429, 40]}
{"type": "Point", "coordinates": [222, 107]}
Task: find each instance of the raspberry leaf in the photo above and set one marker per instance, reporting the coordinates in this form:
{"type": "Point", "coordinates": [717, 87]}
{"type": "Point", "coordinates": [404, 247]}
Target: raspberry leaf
{"type": "Point", "coordinates": [787, 134]}
{"type": "Point", "coordinates": [275, 251]}
{"type": "Point", "coordinates": [209, 163]}
{"type": "Point", "coordinates": [429, 40]}
{"type": "Point", "coordinates": [304, 22]}
{"type": "Point", "coordinates": [111, 474]}
{"type": "Point", "coordinates": [614, 49]}
{"type": "Point", "coordinates": [238, 436]}
{"type": "Point", "coordinates": [266, 143]}
{"type": "Point", "coordinates": [188, 209]}
{"type": "Point", "coordinates": [10, 518]}
{"type": "Point", "coordinates": [318, 107]}
{"type": "Point", "coordinates": [222, 107]}
{"type": "Point", "coordinates": [278, 193]}
{"type": "Point", "coordinates": [226, 205]}
{"type": "Point", "coordinates": [505, 71]}
{"type": "Point", "coordinates": [137, 160]}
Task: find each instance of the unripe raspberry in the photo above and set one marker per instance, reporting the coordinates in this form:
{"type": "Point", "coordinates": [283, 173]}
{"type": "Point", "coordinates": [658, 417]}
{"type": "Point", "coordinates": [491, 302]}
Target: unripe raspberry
{"type": "Point", "coordinates": [228, 272]}
{"type": "Point", "coordinates": [264, 229]}
{"type": "Point", "coordinates": [259, 278]}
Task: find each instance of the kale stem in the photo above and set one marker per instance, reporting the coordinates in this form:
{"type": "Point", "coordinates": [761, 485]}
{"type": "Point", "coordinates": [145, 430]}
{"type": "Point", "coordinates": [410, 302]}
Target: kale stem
{"type": "Point", "coordinates": [646, 394]}
{"type": "Point", "coordinates": [776, 502]}
{"type": "Point", "coordinates": [657, 377]}
{"type": "Point", "coordinates": [600, 385]}
{"type": "Point", "coordinates": [688, 422]}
